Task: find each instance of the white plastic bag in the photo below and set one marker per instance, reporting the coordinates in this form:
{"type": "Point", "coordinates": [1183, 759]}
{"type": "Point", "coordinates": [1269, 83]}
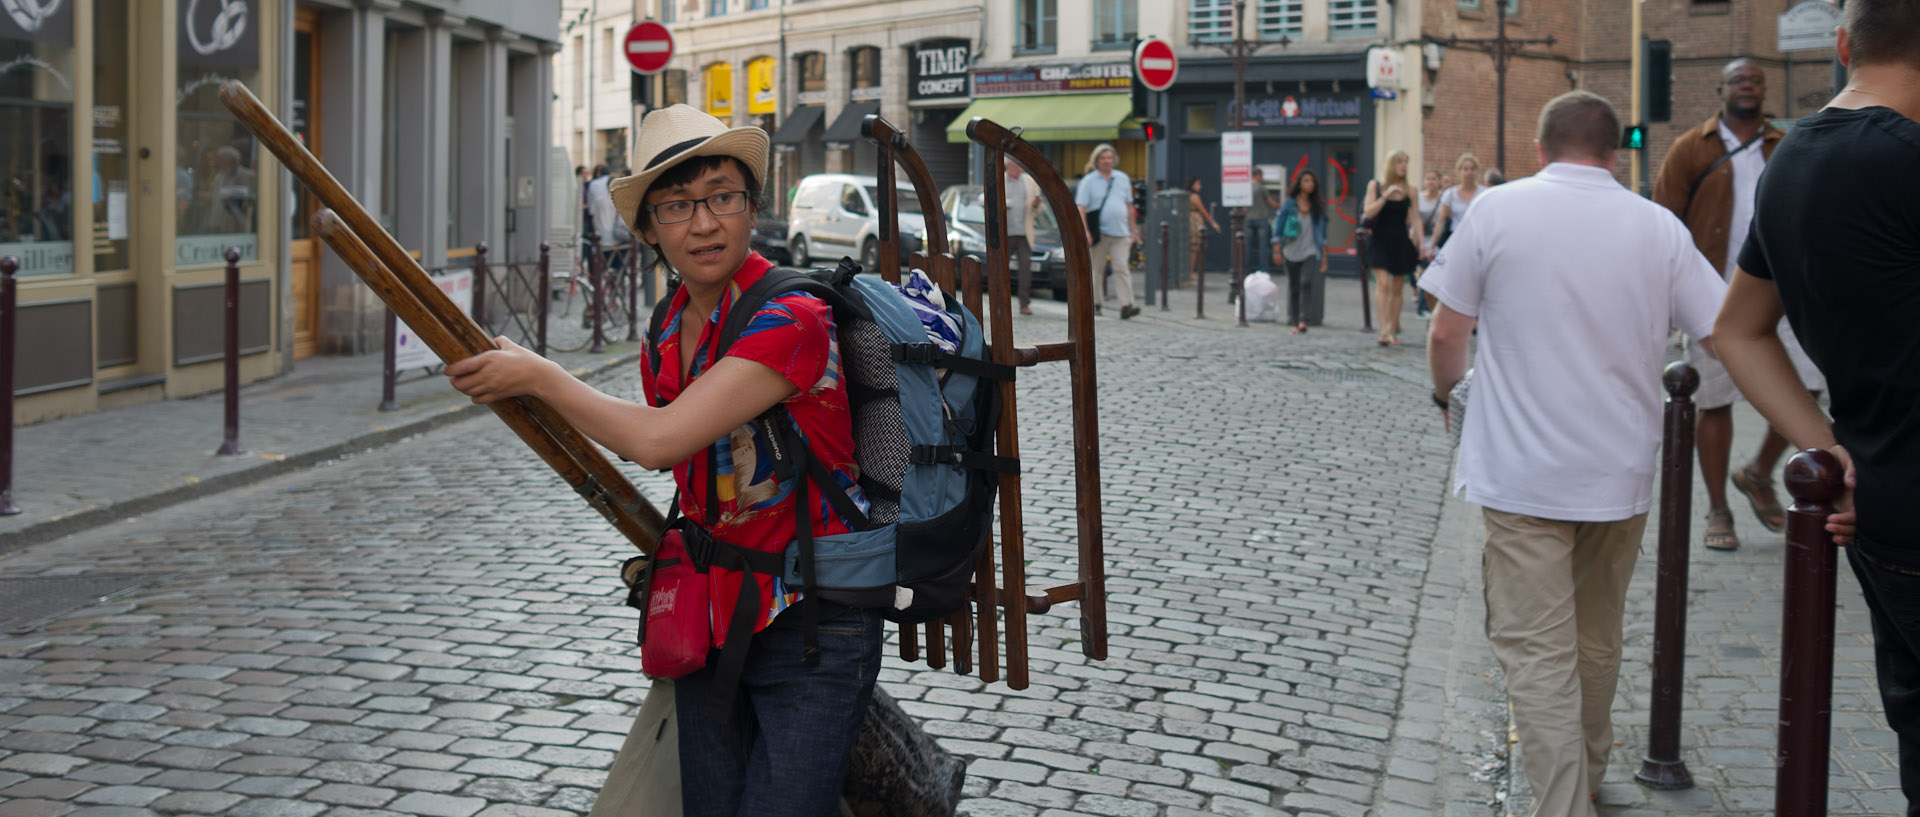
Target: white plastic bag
{"type": "Point", "coordinates": [1263, 297]}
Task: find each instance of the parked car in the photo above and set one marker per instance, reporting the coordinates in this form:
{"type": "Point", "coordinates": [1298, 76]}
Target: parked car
{"type": "Point", "coordinates": [770, 239]}
{"type": "Point", "coordinates": [964, 207]}
{"type": "Point", "coordinates": [837, 214]}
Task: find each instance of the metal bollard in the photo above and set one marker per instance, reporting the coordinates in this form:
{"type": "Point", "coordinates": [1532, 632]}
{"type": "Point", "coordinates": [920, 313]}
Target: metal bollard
{"type": "Point", "coordinates": [599, 300]}
{"type": "Point", "coordinates": [1662, 768]}
{"type": "Point", "coordinates": [1166, 269]}
{"type": "Point", "coordinates": [388, 369]}
{"type": "Point", "coordinates": [633, 290]}
{"type": "Point", "coordinates": [1199, 275]}
{"type": "Point", "coordinates": [544, 297]}
{"type": "Point", "coordinates": [9, 311]}
{"type": "Point", "coordinates": [1806, 638]}
{"type": "Point", "coordinates": [1240, 260]}
{"type": "Point", "coordinates": [230, 445]}
{"type": "Point", "coordinates": [1366, 281]}
{"type": "Point", "coordinates": [480, 287]}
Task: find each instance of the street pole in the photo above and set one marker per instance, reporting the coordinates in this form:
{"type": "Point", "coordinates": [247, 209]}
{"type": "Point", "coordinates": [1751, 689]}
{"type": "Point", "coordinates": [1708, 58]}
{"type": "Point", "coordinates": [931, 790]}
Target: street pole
{"type": "Point", "coordinates": [1633, 84]}
{"type": "Point", "coordinates": [1240, 48]}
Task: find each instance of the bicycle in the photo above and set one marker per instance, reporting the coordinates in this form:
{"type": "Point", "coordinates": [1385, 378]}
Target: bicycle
{"type": "Point", "coordinates": [609, 299]}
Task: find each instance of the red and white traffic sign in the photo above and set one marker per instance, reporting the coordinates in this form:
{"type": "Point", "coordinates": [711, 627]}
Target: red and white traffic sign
{"type": "Point", "coordinates": [1154, 64]}
{"type": "Point", "coordinates": [649, 45]}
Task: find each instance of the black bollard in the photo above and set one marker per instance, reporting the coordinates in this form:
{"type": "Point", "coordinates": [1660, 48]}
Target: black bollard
{"type": "Point", "coordinates": [230, 445]}
{"type": "Point", "coordinates": [9, 310]}
{"type": "Point", "coordinates": [544, 297]}
{"type": "Point", "coordinates": [388, 368]}
{"type": "Point", "coordinates": [1166, 269]}
{"type": "Point", "coordinates": [1662, 768]}
{"type": "Point", "coordinates": [479, 307]}
{"type": "Point", "coordinates": [1806, 638]}
{"type": "Point", "coordinates": [597, 303]}
{"type": "Point", "coordinates": [1360, 237]}
{"type": "Point", "coordinates": [630, 264]}
{"type": "Point", "coordinates": [1240, 261]}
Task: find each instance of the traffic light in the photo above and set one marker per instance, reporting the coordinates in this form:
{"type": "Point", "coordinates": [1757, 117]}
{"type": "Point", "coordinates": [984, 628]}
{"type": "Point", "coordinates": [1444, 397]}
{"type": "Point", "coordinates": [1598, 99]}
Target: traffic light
{"type": "Point", "coordinates": [1152, 130]}
{"type": "Point", "coordinates": [1656, 80]}
{"type": "Point", "coordinates": [639, 85]}
{"type": "Point", "coordinates": [1140, 197]}
{"type": "Point", "coordinates": [1634, 137]}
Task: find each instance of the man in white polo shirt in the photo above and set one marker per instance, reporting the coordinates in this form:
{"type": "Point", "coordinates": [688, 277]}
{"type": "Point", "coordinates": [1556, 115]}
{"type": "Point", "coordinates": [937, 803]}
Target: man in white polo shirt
{"type": "Point", "coordinates": [1573, 281]}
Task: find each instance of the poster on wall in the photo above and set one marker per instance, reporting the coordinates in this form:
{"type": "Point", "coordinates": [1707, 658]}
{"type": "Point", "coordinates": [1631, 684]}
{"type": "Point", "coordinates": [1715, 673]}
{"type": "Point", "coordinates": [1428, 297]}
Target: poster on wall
{"type": "Point", "coordinates": [220, 34]}
{"type": "Point", "coordinates": [409, 351]}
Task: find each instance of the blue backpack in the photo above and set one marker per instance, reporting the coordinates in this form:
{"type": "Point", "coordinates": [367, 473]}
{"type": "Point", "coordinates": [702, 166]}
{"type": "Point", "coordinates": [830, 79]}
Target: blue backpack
{"type": "Point", "coordinates": [924, 410]}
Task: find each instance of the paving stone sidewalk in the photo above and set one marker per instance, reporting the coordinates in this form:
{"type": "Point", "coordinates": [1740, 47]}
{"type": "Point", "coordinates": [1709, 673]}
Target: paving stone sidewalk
{"type": "Point", "coordinates": [77, 472]}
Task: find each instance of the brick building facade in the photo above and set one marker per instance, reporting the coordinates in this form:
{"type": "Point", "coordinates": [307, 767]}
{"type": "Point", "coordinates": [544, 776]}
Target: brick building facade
{"type": "Point", "coordinates": [1592, 50]}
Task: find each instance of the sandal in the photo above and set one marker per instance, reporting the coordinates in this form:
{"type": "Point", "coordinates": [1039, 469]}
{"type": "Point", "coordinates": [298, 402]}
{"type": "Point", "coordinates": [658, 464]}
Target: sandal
{"type": "Point", "coordinates": [1759, 490]}
{"type": "Point", "coordinates": [1720, 531]}
{"type": "Point", "coordinates": [1300, 330]}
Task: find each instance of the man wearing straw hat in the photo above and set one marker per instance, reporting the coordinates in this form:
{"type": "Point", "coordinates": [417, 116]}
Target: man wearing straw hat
{"type": "Point", "coordinates": [784, 748]}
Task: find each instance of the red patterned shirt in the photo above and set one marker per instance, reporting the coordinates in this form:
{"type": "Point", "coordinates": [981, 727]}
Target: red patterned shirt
{"type": "Point", "coordinates": [793, 335]}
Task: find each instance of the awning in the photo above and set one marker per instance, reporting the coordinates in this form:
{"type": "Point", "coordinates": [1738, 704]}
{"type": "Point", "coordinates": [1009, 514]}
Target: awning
{"type": "Point", "coordinates": [798, 127]}
{"type": "Point", "coordinates": [846, 129]}
{"type": "Point", "coordinates": [1063, 118]}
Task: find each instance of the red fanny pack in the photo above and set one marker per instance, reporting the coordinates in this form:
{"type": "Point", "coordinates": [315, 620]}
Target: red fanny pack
{"type": "Point", "coordinates": [676, 627]}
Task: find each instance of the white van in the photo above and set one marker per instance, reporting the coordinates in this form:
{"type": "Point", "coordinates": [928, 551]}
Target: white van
{"type": "Point", "coordinates": [837, 214]}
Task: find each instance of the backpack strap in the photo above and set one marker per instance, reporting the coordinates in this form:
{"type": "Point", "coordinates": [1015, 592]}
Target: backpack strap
{"type": "Point", "coordinates": [929, 354]}
{"type": "Point", "coordinates": [708, 552]}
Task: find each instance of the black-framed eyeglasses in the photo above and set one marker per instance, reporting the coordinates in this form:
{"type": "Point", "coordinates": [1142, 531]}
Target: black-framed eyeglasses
{"type": "Point", "coordinates": [725, 203]}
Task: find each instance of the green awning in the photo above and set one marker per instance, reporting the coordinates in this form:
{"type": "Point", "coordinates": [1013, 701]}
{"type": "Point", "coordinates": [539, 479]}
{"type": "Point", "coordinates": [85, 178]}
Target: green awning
{"type": "Point", "coordinates": [1063, 118]}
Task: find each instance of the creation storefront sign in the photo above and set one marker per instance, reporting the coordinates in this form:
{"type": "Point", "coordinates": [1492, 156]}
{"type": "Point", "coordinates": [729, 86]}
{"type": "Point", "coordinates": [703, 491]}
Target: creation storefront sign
{"type": "Point", "coordinates": [937, 70]}
{"type": "Point", "coordinates": [41, 21]}
{"type": "Point", "coordinates": [1299, 111]}
{"type": "Point", "coordinates": [1042, 80]}
{"type": "Point", "coordinates": [219, 34]}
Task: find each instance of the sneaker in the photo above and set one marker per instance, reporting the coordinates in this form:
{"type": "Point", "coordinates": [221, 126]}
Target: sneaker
{"type": "Point", "coordinates": [1128, 311]}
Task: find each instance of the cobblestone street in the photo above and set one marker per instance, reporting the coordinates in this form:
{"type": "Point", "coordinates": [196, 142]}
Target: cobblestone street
{"type": "Point", "coordinates": [433, 628]}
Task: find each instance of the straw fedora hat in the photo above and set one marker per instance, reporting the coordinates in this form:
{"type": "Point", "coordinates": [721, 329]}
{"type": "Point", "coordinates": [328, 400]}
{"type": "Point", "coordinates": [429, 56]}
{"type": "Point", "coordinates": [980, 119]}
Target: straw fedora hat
{"type": "Point", "coordinates": [674, 134]}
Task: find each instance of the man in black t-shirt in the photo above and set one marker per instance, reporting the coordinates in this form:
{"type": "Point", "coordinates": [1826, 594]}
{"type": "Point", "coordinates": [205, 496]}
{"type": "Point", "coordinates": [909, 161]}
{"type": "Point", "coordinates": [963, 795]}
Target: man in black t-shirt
{"type": "Point", "coordinates": [1837, 247]}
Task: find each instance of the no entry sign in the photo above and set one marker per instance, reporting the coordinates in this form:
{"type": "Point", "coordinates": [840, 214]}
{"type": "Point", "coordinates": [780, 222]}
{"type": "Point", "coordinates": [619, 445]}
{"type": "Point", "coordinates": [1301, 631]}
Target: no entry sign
{"type": "Point", "coordinates": [649, 45]}
{"type": "Point", "coordinates": [1154, 64]}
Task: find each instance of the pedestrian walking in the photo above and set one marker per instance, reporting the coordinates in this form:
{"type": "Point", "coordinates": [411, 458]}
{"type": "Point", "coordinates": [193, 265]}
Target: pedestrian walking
{"type": "Point", "coordinates": [1430, 191]}
{"type": "Point", "coordinates": [1105, 198]}
{"type": "Point", "coordinates": [1199, 218]}
{"type": "Point", "coordinates": [785, 748]}
{"type": "Point", "coordinates": [1300, 236]}
{"type": "Point", "coordinates": [1708, 180]}
{"type": "Point", "coordinates": [1455, 201]}
{"type": "Point", "coordinates": [1573, 282]}
{"type": "Point", "coordinates": [1836, 249]}
{"type": "Point", "coordinates": [1397, 240]}
{"type": "Point", "coordinates": [1260, 214]}
{"type": "Point", "coordinates": [1023, 200]}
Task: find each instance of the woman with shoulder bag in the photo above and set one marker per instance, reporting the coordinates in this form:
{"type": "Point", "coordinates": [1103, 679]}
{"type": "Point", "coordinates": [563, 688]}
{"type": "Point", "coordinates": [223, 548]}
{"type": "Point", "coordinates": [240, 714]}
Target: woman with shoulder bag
{"type": "Point", "coordinates": [1299, 235]}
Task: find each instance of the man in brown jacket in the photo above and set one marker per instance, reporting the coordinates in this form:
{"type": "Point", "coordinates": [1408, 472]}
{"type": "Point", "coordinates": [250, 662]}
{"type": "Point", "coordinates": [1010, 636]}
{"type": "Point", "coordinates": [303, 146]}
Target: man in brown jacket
{"type": "Point", "coordinates": [1708, 180]}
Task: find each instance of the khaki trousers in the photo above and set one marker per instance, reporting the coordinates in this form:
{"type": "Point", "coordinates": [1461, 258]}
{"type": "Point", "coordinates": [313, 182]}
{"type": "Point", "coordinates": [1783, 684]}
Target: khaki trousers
{"type": "Point", "coordinates": [1555, 592]}
{"type": "Point", "coordinates": [1112, 250]}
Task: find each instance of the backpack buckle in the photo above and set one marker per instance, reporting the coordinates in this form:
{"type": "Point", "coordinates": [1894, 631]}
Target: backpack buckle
{"type": "Point", "coordinates": [924, 354]}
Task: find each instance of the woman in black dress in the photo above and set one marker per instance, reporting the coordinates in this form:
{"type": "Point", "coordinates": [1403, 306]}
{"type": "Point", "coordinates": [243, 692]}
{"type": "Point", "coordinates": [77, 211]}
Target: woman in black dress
{"type": "Point", "coordinates": [1395, 247]}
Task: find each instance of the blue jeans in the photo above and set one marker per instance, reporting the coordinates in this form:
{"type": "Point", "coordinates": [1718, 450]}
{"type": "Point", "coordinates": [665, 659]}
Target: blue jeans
{"type": "Point", "coordinates": [1259, 244]}
{"type": "Point", "coordinates": [1891, 583]}
{"type": "Point", "coordinates": [784, 754]}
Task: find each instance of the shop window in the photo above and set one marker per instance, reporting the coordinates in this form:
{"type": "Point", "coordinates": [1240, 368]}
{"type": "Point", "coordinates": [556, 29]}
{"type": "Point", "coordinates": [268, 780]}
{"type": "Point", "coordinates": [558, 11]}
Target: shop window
{"type": "Point", "coordinates": [1210, 21]}
{"type": "Point", "coordinates": [36, 138]}
{"type": "Point", "coordinates": [613, 148]}
{"type": "Point", "coordinates": [1353, 18]}
{"type": "Point", "coordinates": [112, 78]}
{"type": "Point", "coordinates": [1115, 23]}
{"type": "Point", "coordinates": [865, 66]}
{"type": "Point", "coordinates": [674, 88]}
{"type": "Point", "coordinates": [762, 98]}
{"type": "Point", "coordinates": [1036, 26]}
{"type": "Point", "coordinates": [810, 76]}
{"type": "Point", "coordinates": [1202, 118]}
{"type": "Point", "coordinates": [1513, 6]}
{"type": "Point", "coordinates": [1280, 18]}
{"type": "Point", "coordinates": [216, 188]}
